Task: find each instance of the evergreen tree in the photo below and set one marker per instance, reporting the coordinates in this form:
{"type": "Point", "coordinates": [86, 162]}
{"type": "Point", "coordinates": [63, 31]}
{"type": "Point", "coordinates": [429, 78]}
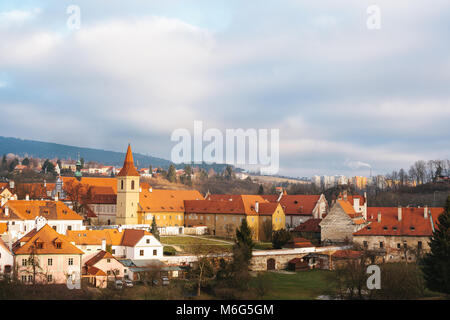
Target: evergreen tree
{"type": "Point", "coordinates": [436, 264]}
{"type": "Point", "coordinates": [261, 189]}
{"type": "Point", "coordinates": [154, 229]}
{"type": "Point", "coordinates": [13, 164]}
{"type": "Point", "coordinates": [280, 238]}
{"type": "Point", "coordinates": [26, 162]}
{"type": "Point", "coordinates": [172, 174]}
{"type": "Point", "coordinates": [243, 247]}
{"type": "Point", "coordinates": [4, 163]}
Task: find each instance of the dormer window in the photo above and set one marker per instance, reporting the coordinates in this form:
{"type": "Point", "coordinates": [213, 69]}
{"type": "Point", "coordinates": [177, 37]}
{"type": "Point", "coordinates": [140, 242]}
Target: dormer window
{"type": "Point", "coordinates": [394, 228]}
{"type": "Point", "coordinates": [412, 228]}
{"type": "Point", "coordinates": [385, 228]}
{"type": "Point", "coordinates": [369, 228]}
{"type": "Point", "coordinates": [58, 245]}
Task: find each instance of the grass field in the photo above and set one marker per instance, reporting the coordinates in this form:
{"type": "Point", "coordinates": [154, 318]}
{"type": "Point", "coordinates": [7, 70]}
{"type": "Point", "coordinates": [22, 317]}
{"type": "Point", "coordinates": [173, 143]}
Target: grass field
{"type": "Point", "coordinates": [303, 285]}
{"type": "Point", "coordinates": [185, 242]}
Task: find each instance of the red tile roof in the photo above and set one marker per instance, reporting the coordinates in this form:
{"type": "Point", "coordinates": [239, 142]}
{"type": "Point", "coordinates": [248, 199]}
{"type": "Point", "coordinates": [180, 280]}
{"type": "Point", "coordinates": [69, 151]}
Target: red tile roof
{"type": "Point", "coordinates": [29, 210]}
{"type": "Point", "coordinates": [310, 225]}
{"type": "Point", "coordinates": [160, 200]}
{"type": "Point", "coordinates": [99, 256]}
{"type": "Point", "coordinates": [128, 168]}
{"type": "Point", "coordinates": [93, 271]}
{"type": "Point", "coordinates": [413, 222]}
{"type": "Point", "coordinates": [132, 236]}
{"type": "Point", "coordinates": [295, 204]}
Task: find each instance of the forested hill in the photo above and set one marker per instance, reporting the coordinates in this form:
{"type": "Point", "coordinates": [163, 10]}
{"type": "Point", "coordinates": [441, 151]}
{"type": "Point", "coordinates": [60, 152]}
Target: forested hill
{"type": "Point", "coordinates": [47, 150]}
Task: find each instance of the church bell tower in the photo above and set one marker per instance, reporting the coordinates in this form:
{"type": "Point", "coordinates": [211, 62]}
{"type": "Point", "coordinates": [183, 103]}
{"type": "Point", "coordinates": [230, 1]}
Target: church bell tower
{"type": "Point", "coordinates": [127, 192]}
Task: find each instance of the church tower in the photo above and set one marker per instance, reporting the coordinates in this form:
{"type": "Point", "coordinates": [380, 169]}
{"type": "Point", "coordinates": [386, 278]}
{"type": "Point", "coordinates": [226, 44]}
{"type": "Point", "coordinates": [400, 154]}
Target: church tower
{"type": "Point", "coordinates": [127, 192]}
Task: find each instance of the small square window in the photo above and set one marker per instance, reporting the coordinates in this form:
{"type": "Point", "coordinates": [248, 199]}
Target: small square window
{"type": "Point", "coordinates": [141, 252]}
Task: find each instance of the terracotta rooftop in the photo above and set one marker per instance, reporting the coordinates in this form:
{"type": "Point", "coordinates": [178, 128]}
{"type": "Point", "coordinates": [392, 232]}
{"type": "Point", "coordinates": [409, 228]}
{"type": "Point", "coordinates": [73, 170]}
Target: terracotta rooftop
{"type": "Point", "coordinates": [132, 236]}
{"type": "Point", "coordinates": [412, 223]}
{"type": "Point", "coordinates": [128, 168]}
{"type": "Point", "coordinates": [29, 210]}
{"type": "Point", "coordinates": [99, 256]}
{"type": "Point", "coordinates": [94, 237]}
{"type": "Point", "coordinates": [310, 225]}
{"type": "Point", "coordinates": [45, 241]}
{"type": "Point", "coordinates": [160, 200]}
{"type": "Point", "coordinates": [295, 204]}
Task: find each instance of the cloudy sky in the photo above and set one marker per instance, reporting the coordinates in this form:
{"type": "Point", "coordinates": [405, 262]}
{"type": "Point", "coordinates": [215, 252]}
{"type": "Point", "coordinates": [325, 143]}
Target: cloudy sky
{"type": "Point", "coordinates": [341, 95]}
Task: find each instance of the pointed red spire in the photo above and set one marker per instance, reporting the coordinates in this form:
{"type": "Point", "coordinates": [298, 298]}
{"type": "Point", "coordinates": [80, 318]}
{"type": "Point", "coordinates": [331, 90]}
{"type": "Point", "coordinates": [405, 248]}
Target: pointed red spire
{"type": "Point", "coordinates": [128, 168]}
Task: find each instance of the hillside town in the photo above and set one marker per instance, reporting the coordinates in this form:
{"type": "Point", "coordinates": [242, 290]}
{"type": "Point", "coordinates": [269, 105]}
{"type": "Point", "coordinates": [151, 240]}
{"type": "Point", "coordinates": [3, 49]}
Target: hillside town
{"type": "Point", "coordinates": [114, 231]}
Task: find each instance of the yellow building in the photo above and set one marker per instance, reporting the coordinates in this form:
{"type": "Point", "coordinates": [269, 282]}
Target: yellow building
{"type": "Point", "coordinates": [224, 215]}
{"type": "Point", "coordinates": [127, 192]}
{"type": "Point", "coordinates": [167, 206]}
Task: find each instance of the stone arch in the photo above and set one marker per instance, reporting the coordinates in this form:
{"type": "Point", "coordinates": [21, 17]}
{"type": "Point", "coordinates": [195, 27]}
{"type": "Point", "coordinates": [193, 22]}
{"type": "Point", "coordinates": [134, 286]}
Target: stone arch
{"type": "Point", "coordinates": [271, 264]}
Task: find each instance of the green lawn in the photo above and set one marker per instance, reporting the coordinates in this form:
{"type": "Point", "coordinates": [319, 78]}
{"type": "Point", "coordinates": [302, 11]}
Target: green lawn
{"type": "Point", "coordinates": [184, 242]}
{"type": "Point", "coordinates": [303, 285]}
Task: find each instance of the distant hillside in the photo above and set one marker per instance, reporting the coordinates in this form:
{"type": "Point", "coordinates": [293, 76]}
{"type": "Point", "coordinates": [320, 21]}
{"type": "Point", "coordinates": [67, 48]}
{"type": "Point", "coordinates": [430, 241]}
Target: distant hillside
{"type": "Point", "coordinates": [47, 150]}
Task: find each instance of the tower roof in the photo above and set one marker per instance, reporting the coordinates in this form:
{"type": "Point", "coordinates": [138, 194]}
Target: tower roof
{"type": "Point", "coordinates": [128, 168]}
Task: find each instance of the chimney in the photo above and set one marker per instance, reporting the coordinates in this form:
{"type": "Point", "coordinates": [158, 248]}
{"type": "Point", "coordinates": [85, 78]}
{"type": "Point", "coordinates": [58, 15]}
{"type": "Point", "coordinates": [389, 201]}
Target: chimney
{"type": "Point", "coordinates": [379, 216]}
{"type": "Point", "coordinates": [257, 206]}
{"type": "Point", "coordinates": [56, 198]}
{"type": "Point", "coordinates": [7, 211]}
{"type": "Point", "coordinates": [399, 213]}
{"type": "Point", "coordinates": [27, 197]}
{"type": "Point", "coordinates": [425, 212]}
{"type": "Point", "coordinates": [104, 244]}
{"type": "Point", "coordinates": [345, 195]}
{"type": "Point", "coordinates": [150, 190]}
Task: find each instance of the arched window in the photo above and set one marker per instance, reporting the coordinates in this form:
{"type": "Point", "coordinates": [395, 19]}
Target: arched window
{"type": "Point", "coordinates": [121, 186]}
{"type": "Point", "coordinates": [132, 185]}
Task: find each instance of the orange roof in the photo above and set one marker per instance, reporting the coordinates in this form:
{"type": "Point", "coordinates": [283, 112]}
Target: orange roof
{"type": "Point", "coordinates": [29, 210]}
{"type": "Point", "coordinates": [93, 271]}
{"type": "Point", "coordinates": [128, 168]}
{"type": "Point", "coordinates": [99, 256]}
{"type": "Point", "coordinates": [160, 200]}
{"type": "Point", "coordinates": [347, 207]}
{"type": "Point", "coordinates": [413, 222]}
{"type": "Point", "coordinates": [3, 227]}
{"type": "Point", "coordinates": [232, 204]}
{"type": "Point", "coordinates": [48, 238]}
{"type": "Point", "coordinates": [94, 237]}
{"type": "Point", "coordinates": [295, 204]}
{"type": "Point", "coordinates": [93, 182]}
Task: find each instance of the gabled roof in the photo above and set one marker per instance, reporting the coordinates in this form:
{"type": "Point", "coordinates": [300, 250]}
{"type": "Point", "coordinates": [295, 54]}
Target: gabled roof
{"type": "Point", "coordinates": [412, 223]}
{"type": "Point", "coordinates": [99, 256]}
{"type": "Point", "coordinates": [49, 239]}
{"type": "Point", "coordinates": [160, 200]}
{"type": "Point", "coordinates": [3, 227]}
{"type": "Point", "coordinates": [295, 204]}
{"type": "Point", "coordinates": [128, 168]}
{"type": "Point", "coordinates": [92, 182]}
{"type": "Point", "coordinates": [347, 207]}
{"type": "Point", "coordinates": [132, 236]}
{"type": "Point", "coordinates": [29, 210]}
{"type": "Point", "coordinates": [93, 271]}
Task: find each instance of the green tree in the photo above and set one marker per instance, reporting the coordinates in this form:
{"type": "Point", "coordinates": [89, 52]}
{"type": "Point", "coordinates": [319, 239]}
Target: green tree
{"type": "Point", "coordinates": [229, 172]}
{"type": "Point", "coordinates": [26, 162]}
{"type": "Point", "coordinates": [436, 264]}
{"type": "Point", "coordinates": [244, 244]}
{"type": "Point", "coordinates": [261, 189]}
{"type": "Point", "coordinates": [48, 167]}
{"type": "Point", "coordinates": [172, 174]}
{"type": "Point", "coordinates": [154, 229]}
{"type": "Point", "coordinates": [13, 164]}
{"type": "Point", "coordinates": [280, 238]}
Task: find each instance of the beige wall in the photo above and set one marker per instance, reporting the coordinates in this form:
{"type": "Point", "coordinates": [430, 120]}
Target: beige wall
{"type": "Point", "coordinates": [127, 200]}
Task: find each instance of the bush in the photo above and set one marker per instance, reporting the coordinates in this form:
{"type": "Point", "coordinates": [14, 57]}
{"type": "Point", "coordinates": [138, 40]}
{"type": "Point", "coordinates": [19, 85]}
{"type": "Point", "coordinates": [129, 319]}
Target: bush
{"type": "Point", "coordinates": [169, 251]}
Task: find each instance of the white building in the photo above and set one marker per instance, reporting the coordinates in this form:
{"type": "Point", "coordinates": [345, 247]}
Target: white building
{"type": "Point", "coordinates": [6, 259]}
{"type": "Point", "coordinates": [20, 216]}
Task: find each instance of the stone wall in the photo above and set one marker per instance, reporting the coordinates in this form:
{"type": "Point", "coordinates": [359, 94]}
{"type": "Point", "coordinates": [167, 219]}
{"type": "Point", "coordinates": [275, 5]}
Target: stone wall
{"type": "Point", "coordinates": [337, 226]}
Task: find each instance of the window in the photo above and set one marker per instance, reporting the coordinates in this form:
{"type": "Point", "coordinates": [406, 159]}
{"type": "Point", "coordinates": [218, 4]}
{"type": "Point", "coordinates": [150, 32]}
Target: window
{"type": "Point", "coordinates": [108, 260]}
{"type": "Point", "coordinates": [121, 184]}
{"type": "Point", "coordinates": [381, 245]}
{"type": "Point", "coordinates": [39, 245]}
{"type": "Point", "coordinates": [398, 245]}
{"type": "Point", "coordinates": [155, 252]}
{"type": "Point", "coordinates": [70, 261]}
{"type": "Point", "coordinates": [113, 251]}
{"type": "Point", "coordinates": [58, 245]}
{"type": "Point", "coordinates": [69, 227]}
{"type": "Point", "coordinates": [49, 278]}
{"type": "Point", "coordinates": [108, 272]}
{"type": "Point", "coordinates": [419, 245]}
{"type": "Point", "coordinates": [141, 252]}
{"type": "Point", "coordinates": [50, 262]}
{"type": "Point", "coordinates": [365, 244]}
{"type": "Point", "coordinates": [132, 184]}
{"type": "Point", "coordinates": [54, 228]}
{"type": "Point", "coordinates": [30, 278]}
{"type": "Point", "coordinates": [148, 241]}
{"type": "Point", "coordinates": [24, 262]}
{"type": "Point", "coordinates": [24, 278]}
